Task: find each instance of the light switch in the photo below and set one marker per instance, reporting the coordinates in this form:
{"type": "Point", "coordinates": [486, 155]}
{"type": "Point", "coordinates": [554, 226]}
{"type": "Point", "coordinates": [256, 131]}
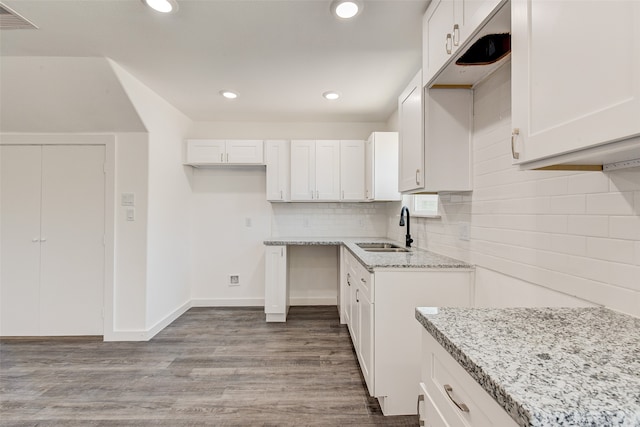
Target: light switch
{"type": "Point", "coordinates": [131, 214]}
{"type": "Point", "coordinates": [128, 199]}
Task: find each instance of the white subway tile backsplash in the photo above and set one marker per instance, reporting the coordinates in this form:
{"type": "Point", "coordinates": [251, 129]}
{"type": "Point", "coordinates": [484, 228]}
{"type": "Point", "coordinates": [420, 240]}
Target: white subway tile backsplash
{"type": "Point", "coordinates": [589, 225]}
{"type": "Point", "coordinates": [615, 250]}
{"type": "Point", "coordinates": [569, 244]}
{"type": "Point", "coordinates": [553, 186]}
{"type": "Point", "coordinates": [624, 180]}
{"type": "Point", "coordinates": [625, 227]}
{"type": "Point", "coordinates": [611, 204]}
{"type": "Point", "coordinates": [573, 204]}
{"type": "Point", "coordinates": [588, 182]}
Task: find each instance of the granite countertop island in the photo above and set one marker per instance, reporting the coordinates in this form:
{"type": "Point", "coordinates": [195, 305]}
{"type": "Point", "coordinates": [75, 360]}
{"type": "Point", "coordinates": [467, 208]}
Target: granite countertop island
{"type": "Point", "coordinates": [415, 258]}
{"type": "Point", "coordinates": [547, 366]}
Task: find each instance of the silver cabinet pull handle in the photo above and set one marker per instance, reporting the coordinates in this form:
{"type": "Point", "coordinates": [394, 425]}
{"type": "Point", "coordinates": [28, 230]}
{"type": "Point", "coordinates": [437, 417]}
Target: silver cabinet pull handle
{"type": "Point", "coordinates": [43, 240]}
{"type": "Point", "coordinates": [348, 279]}
{"type": "Point", "coordinates": [420, 399]}
{"type": "Point", "coordinates": [357, 295]}
{"type": "Point", "coordinates": [449, 44]}
{"type": "Point", "coordinates": [281, 196]}
{"type": "Point", "coordinates": [417, 176]}
{"type": "Point", "coordinates": [227, 157]}
{"type": "Point", "coordinates": [448, 389]}
{"type": "Point", "coordinates": [514, 135]}
{"type": "Point", "coordinates": [343, 194]}
{"type": "Point", "coordinates": [35, 240]}
{"type": "Point", "coordinates": [456, 35]}
{"type": "Point", "coordinates": [221, 158]}
{"type": "Point", "coordinates": [312, 194]}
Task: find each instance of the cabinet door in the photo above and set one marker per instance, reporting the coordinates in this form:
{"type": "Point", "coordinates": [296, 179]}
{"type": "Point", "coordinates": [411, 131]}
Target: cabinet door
{"type": "Point", "coordinates": [303, 170]}
{"type": "Point", "coordinates": [275, 287]}
{"type": "Point", "coordinates": [278, 163]}
{"type": "Point", "coordinates": [365, 349]}
{"type": "Point", "coordinates": [20, 240]}
{"type": "Point", "coordinates": [369, 168]}
{"type": "Point", "coordinates": [577, 86]}
{"type": "Point", "coordinates": [328, 170]}
{"type": "Point", "coordinates": [72, 248]}
{"type": "Point", "coordinates": [469, 15]}
{"type": "Point", "coordinates": [447, 139]}
{"type": "Point", "coordinates": [352, 153]}
{"type": "Point", "coordinates": [437, 33]}
{"type": "Point", "coordinates": [205, 151]}
{"type": "Point", "coordinates": [244, 152]}
{"type": "Point", "coordinates": [354, 325]}
{"type": "Point", "coordinates": [411, 166]}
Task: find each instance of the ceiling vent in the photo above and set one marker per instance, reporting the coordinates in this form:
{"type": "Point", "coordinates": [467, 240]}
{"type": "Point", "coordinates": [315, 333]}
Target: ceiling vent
{"type": "Point", "coordinates": [11, 20]}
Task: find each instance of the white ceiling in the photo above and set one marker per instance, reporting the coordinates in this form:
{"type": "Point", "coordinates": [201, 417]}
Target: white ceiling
{"type": "Point", "coordinates": [280, 56]}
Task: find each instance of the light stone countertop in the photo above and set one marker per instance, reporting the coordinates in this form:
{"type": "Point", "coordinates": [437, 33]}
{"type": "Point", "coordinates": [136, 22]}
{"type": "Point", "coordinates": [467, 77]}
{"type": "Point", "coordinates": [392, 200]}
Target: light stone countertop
{"type": "Point", "coordinates": [547, 366]}
{"type": "Point", "coordinates": [416, 258]}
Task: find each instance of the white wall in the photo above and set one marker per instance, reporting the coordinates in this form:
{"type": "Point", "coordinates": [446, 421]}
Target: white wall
{"type": "Point", "coordinates": [130, 272]}
{"type": "Point", "coordinates": [577, 233]}
{"type": "Point", "coordinates": [168, 290]}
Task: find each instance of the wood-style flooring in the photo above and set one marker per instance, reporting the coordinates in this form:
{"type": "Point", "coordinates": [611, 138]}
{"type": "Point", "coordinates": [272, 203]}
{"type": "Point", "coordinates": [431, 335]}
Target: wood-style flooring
{"type": "Point", "coordinates": [212, 366]}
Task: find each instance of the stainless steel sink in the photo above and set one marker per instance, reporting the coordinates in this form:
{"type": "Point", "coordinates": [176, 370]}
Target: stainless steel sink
{"type": "Point", "coordinates": [381, 247]}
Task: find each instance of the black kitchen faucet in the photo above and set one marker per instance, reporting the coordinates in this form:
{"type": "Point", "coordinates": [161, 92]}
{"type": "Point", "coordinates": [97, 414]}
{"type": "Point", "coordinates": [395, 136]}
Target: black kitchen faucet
{"type": "Point", "coordinates": [409, 240]}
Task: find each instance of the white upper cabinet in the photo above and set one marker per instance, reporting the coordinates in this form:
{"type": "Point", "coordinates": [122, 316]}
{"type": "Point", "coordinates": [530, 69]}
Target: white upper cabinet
{"type": "Point", "coordinates": [277, 159]}
{"type": "Point", "coordinates": [381, 167]}
{"type": "Point", "coordinates": [411, 156]}
{"type": "Point", "coordinates": [435, 139]}
{"type": "Point", "coordinates": [328, 170]}
{"type": "Point", "coordinates": [352, 170]}
{"type": "Point", "coordinates": [448, 28]}
{"type": "Point", "coordinates": [206, 152]}
{"type": "Point", "coordinates": [575, 82]}
{"type": "Point", "coordinates": [448, 124]}
{"type": "Point", "coordinates": [315, 170]}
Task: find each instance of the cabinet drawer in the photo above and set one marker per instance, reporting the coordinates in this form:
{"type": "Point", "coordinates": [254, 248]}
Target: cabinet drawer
{"type": "Point", "coordinates": [365, 281]}
{"type": "Point", "coordinates": [429, 415]}
{"type": "Point", "coordinates": [442, 372]}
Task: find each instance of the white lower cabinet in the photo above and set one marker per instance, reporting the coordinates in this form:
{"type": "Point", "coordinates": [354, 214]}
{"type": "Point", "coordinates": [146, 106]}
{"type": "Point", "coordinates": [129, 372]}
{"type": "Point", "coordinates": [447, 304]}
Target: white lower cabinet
{"type": "Point", "coordinates": [380, 315]}
{"type": "Point", "coordinates": [276, 300]}
{"type": "Point", "coordinates": [451, 396]}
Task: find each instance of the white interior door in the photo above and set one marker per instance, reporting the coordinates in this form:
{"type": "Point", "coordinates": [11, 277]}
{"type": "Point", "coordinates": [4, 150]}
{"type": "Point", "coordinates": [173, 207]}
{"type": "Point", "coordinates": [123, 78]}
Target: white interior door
{"type": "Point", "coordinates": [72, 248]}
{"type": "Point", "coordinates": [20, 240]}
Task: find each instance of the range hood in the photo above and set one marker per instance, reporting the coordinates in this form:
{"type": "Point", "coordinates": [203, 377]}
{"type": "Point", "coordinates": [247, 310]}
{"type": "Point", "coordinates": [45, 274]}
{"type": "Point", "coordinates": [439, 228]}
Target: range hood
{"type": "Point", "coordinates": [483, 53]}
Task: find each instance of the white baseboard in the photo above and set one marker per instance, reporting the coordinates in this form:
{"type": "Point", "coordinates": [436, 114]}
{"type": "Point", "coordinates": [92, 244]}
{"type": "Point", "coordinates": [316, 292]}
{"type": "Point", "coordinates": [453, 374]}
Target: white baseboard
{"type": "Point", "coordinates": [146, 335]}
{"type": "Point", "coordinates": [228, 302]}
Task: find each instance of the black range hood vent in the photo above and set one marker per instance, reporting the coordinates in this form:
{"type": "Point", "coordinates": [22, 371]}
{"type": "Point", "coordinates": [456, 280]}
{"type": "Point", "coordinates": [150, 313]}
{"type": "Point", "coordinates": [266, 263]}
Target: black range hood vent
{"type": "Point", "coordinates": [487, 50]}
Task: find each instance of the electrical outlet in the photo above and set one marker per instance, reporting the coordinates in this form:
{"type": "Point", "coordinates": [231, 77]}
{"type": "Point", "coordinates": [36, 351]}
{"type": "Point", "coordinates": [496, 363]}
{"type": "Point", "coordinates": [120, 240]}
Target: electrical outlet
{"type": "Point", "coordinates": [234, 280]}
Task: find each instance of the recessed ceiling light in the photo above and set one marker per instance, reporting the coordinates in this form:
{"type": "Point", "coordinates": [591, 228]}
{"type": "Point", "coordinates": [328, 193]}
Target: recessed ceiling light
{"type": "Point", "coordinates": [164, 6]}
{"type": "Point", "coordinates": [346, 9]}
{"type": "Point", "coordinates": [228, 94]}
{"type": "Point", "coordinates": [331, 95]}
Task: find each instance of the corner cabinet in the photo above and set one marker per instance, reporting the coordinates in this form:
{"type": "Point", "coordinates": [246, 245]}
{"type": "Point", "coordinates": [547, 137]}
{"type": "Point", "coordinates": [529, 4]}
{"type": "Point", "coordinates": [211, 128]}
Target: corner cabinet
{"type": "Point", "coordinates": [277, 159]}
{"type": "Point", "coordinates": [209, 152]}
{"type": "Point", "coordinates": [575, 90]}
{"type": "Point", "coordinates": [381, 167]}
{"type": "Point", "coordinates": [276, 297]}
{"type": "Point", "coordinates": [379, 310]}
{"type": "Point", "coordinates": [315, 170]}
{"type": "Point", "coordinates": [451, 396]}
